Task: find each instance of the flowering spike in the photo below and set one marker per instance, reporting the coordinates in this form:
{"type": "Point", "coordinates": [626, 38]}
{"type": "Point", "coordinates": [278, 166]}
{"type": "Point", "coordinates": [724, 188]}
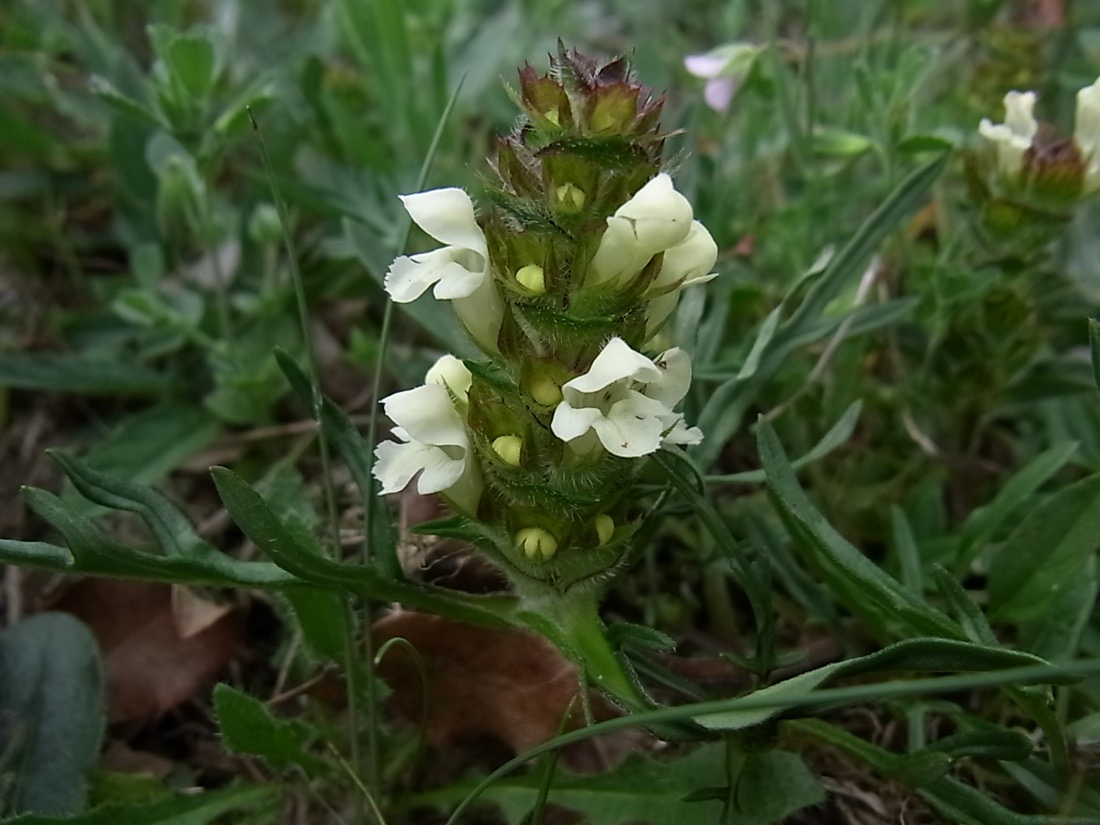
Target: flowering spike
{"type": "Point", "coordinates": [573, 262]}
{"type": "Point", "coordinates": [1027, 172]}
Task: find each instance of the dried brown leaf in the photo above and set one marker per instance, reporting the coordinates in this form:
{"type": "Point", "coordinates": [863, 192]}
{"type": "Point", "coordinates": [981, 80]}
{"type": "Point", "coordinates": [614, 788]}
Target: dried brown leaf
{"type": "Point", "coordinates": [152, 661]}
{"type": "Point", "coordinates": [193, 614]}
{"type": "Point", "coordinates": [1044, 14]}
{"type": "Point", "coordinates": [506, 684]}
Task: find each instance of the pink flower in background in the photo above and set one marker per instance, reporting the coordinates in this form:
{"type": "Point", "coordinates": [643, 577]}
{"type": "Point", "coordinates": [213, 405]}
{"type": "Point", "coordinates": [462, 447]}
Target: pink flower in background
{"type": "Point", "coordinates": [724, 68]}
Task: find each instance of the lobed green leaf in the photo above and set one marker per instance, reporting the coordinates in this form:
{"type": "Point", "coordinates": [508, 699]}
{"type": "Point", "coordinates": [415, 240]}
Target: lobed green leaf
{"type": "Point", "coordinates": [248, 727]}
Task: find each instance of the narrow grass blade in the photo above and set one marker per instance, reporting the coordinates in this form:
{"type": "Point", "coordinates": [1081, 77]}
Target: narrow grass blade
{"type": "Point", "coordinates": [861, 585]}
{"type": "Point", "coordinates": [1045, 553]}
{"type": "Point", "coordinates": [1094, 349]}
{"type": "Point", "coordinates": [750, 567]}
{"type": "Point", "coordinates": [982, 524]}
{"type": "Point", "coordinates": [723, 413]}
{"type": "Point", "coordinates": [836, 437]}
{"type": "Point", "coordinates": [848, 262]}
{"type": "Point", "coordinates": [826, 697]}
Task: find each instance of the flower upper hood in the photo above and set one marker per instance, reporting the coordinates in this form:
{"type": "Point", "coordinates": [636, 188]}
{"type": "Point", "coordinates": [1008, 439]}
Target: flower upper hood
{"type": "Point", "coordinates": [1013, 137]}
{"type": "Point", "coordinates": [688, 263]}
{"type": "Point", "coordinates": [656, 220]}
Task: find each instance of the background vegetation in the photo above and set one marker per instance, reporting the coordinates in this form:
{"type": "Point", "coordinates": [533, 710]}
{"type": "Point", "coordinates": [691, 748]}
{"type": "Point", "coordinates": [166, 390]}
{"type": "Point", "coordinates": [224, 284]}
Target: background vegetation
{"type": "Point", "coordinates": [917, 341]}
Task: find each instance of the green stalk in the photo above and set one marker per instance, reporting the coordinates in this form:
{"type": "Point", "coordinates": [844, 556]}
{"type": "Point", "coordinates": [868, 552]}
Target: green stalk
{"type": "Point", "coordinates": [821, 698]}
{"type": "Point", "coordinates": [573, 623]}
{"type": "Point", "coordinates": [350, 664]}
{"type": "Point", "coordinates": [372, 439]}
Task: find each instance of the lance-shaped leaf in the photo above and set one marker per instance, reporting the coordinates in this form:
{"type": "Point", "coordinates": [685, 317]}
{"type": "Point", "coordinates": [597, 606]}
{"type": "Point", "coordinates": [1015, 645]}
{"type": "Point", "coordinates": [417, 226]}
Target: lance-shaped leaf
{"type": "Point", "coordinates": [174, 809]}
{"type": "Point", "coordinates": [920, 655]}
{"type": "Point", "coordinates": [1094, 350]}
{"type": "Point", "coordinates": [856, 581]}
{"type": "Point", "coordinates": [772, 785]}
{"type": "Point", "coordinates": [982, 524]}
{"type": "Point", "coordinates": [93, 552]}
{"type": "Point", "coordinates": [262, 526]}
{"type": "Point", "coordinates": [184, 558]}
{"type": "Point", "coordinates": [837, 436]}
{"type": "Point", "coordinates": [1045, 553]}
{"type": "Point", "coordinates": [959, 802]}
{"type": "Point", "coordinates": [61, 372]}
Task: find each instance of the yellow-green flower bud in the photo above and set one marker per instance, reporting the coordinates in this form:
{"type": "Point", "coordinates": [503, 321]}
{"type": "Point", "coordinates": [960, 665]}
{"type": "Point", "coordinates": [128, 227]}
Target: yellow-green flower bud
{"type": "Point", "coordinates": [531, 277]}
{"type": "Point", "coordinates": [570, 197]}
{"type": "Point", "coordinates": [552, 116]}
{"type": "Point", "coordinates": [509, 448]}
{"type": "Point", "coordinates": [544, 389]}
{"type": "Point", "coordinates": [264, 225]}
{"type": "Point", "coordinates": [536, 543]}
{"type": "Point", "coordinates": [605, 527]}
{"type": "Point", "coordinates": [180, 193]}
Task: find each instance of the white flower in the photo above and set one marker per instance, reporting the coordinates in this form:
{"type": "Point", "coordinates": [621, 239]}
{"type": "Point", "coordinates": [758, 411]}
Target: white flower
{"type": "Point", "coordinates": [656, 218]}
{"type": "Point", "coordinates": [724, 69]}
{"type": "Point", "coordinates": [1013, 137]}
{"type": "Point", "coordinates": [1086, 134]}
{"type": "Point", "coordinates": [689, 262]}
{"type": "Point", "coordinates": [432, 438]}
{"type": "Point", "coordinates": [686, 264]}
{"type": "Point", "coordinates": [627, 401]}
{"type": "Point", "coordinates": [459, 270]}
